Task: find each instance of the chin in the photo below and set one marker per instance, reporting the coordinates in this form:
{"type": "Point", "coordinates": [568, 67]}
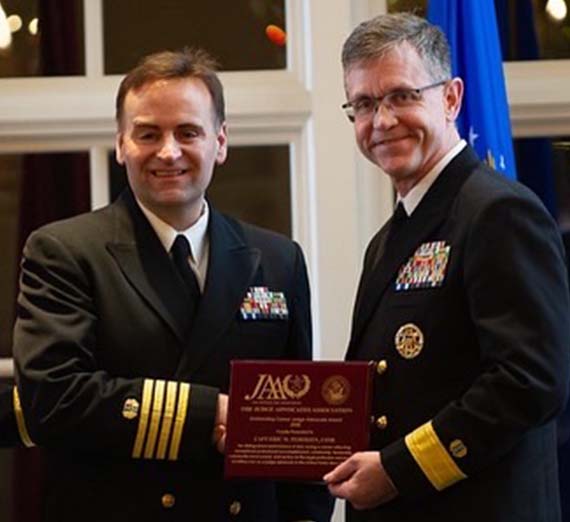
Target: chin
{"type": "Point", "coordinates": [169, 200]}
{"type": "Point", "coordinates": [395, 169]}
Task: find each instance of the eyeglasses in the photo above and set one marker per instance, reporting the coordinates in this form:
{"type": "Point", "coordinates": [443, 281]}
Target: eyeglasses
{"type": "Point", "coordinates": [398, 100]}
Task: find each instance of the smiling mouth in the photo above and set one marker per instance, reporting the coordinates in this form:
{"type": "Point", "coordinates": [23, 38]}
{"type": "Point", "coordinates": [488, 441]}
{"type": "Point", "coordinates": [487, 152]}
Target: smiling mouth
{"type": "Point", "coordinates": [389, 141]}
{"type": "Point", "coordinates": [168, 173]}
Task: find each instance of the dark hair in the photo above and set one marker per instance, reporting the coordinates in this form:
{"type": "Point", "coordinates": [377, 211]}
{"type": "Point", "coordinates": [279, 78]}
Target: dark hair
{"type": "Point", "coordinates": [186, 63]}
{"type": "Point", "coordinates": [375, 37]}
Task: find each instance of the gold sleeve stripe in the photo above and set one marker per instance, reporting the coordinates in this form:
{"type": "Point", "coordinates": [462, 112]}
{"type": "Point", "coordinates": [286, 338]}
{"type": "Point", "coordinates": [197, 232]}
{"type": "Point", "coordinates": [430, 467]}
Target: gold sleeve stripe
{"type": "Point", "coordinates": [154, 419]}
{"type": "Point", "coordinates": [181, 410]}
{"type": "Point", "coordinates": [168, 417]}
{"type": "Point", "coordinates": [20, 421]}
{"type": "Point", "coordinates": [432, 457]}
{"type": "Point", "coordinates": [143, 418]}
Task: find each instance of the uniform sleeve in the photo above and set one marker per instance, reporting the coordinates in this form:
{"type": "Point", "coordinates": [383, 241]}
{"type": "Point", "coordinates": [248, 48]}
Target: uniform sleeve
{"type": "Point", "coordinates": [516, 286]}
{"type": "Point", "coordinates": [297, 501]}
{"type": "Point", "coordinates": [67, 399]}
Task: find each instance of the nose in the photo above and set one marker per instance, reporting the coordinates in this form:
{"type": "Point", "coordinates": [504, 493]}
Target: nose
{"type": "Point", "coordinates": [169, 150]}
{"type": "Point", "coordinates": [383, 117]}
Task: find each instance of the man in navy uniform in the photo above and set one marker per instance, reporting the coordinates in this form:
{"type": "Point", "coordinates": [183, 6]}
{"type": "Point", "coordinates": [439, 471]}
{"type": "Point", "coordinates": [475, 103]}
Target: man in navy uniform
{"type": "Point", "coordinates": [463, 301]}
{"type": "Point", "coordinates": [129, 316]}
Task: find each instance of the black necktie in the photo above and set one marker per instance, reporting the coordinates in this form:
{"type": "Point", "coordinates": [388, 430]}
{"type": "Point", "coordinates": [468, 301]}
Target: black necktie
{"type": "Point", "coordinates": [399, 217]}
{"type": "Point", "coordinates": [180, 253]}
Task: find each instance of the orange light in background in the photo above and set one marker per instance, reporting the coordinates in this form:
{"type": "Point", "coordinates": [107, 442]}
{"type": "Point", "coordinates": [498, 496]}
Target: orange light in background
{"type": "Point", "coordinates": [276, 35]}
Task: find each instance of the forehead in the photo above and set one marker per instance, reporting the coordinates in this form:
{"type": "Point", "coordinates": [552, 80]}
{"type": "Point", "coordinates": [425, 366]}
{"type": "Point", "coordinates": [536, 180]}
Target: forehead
{"type": "Point", "coordinates": [175, 97]}
{"type": "Point", "coordinates": [399, 67]}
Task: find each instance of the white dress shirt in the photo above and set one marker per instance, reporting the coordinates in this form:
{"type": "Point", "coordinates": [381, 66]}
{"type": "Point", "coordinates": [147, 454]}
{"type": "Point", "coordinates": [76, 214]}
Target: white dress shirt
{"type": "Point", "coordinates": [196, 235]}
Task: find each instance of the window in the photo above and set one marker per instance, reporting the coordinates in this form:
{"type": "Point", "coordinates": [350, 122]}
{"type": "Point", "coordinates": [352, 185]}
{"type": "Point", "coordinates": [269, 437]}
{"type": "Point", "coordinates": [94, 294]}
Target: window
{"type": "Point", "coordinates": [233, 32]}
{"type": "Point", "coordinates": [41, 38]}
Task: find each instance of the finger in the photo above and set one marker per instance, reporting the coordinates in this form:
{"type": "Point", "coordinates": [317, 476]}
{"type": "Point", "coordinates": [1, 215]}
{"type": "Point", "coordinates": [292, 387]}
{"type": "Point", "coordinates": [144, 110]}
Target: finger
{"type": "Point", "coordinates": [221, 444]}
{"type": "Point", "coordinates": [337, 490]}
{"type": "Point", "coordinates": [219, 434]}
{"type": "Point", "coordinates": [343, 471]}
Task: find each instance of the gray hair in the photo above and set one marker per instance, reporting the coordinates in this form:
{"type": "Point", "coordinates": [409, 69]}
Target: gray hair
{"type": "Point", "coordinates": [377, 36]}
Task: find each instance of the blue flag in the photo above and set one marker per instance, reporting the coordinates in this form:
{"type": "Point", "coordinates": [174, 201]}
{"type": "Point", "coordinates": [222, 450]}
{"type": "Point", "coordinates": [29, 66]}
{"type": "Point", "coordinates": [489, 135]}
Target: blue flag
{"type": "Point", "coordinates": [471, 28]}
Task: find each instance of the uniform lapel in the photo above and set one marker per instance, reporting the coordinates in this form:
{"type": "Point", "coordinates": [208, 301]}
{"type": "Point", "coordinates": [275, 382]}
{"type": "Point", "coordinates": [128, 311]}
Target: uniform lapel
{"type": "Point", "coordinates": [146, 265]}
{"type": "Point", "coordinates": [429, 215]}
{"type": "Point", "coordinates": [371, 260]}
{"type": "Point", "coordinates": [231, 270]}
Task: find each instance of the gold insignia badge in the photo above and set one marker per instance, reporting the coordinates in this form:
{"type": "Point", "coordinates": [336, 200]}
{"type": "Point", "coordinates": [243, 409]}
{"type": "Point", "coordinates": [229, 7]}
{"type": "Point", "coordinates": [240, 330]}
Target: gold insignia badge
{"type": "Point", "coordinates": [131, 409]}
{"type": "Point", "coordinates": [458, 449]}
{"type": "Point", "coordinates": [409, 341]}
{"type": "Point", "coordinates": [296, 386]}
{"type": "Point", "coordinates": [335, 390]}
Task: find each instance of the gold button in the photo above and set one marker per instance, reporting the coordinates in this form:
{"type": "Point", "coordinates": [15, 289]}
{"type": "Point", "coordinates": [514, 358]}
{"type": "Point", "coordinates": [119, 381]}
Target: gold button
{"type": "Point", "coordinates": [382, 366]}
{"type": "Point", "coordinates": [382, 422]}
{"type": "Point", "coordinates": [168, 500]}
{"type": "Point", "coordinates": [131, 408]}
{"type": "Point", "coordinates": [458, 449]}
{"type": "Point", "coordinates": [235, 508]}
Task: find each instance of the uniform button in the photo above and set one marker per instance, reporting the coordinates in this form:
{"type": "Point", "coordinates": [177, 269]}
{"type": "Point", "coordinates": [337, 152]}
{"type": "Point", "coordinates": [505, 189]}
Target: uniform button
{"type": "Point", "coordinates": [168, 500]}
{"type": "Point", "coordinates": [382, 366]}
{"type": "Point", "coordinates": [382, 422]}
{"type": "Point", "coordinates": [235, 508]}
{"type": "Point", "coordinates": [131, 408]}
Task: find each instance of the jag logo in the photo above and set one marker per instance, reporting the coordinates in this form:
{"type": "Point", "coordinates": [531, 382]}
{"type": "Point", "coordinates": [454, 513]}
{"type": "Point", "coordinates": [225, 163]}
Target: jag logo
{"type": "Point", "coordinates": [269, 387]}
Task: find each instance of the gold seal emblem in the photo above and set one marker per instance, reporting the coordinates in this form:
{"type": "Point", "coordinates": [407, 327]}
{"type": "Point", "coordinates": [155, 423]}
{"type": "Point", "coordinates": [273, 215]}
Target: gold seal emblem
{"type": "Point", "coordinates": [131, 409]}
{"type": "Point", "coordinates": [296, 386]}
{"type": "Point", "coordinates": [409, 341]}
{"type": "Point", "coordinates": [335, 390]}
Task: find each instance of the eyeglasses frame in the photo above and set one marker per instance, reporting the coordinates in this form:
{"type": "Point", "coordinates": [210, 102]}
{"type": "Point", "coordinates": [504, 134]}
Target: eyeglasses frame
{"type": "Point", "coordinates": [378, 100]}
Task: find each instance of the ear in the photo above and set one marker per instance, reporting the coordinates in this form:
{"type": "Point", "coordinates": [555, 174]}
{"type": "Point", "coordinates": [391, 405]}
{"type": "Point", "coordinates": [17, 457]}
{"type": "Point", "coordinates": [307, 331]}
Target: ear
{"type": "Point", "coordinates": [119, 148]}
{"type": "Point", "coordinates": [222, 144]}
{"type": "Point", "coordinates": [453, 98]}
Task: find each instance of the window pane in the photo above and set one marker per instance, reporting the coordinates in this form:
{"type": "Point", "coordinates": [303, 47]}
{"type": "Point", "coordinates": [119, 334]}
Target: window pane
{"type": "Point", "coordinates": [419, 7]}
{"type": "Point", "coordinates": [234, 34]}
{"type": "Point", "coordinates": [253, 185]}
{"type": "Point", "coordinates": [532, 30]}
{"type": "Point", "coordinates": [529, 29]}
{"type": "Point", "coordinates": [34, 189]}
{"type": "Point", "coordinates": [41, 38]}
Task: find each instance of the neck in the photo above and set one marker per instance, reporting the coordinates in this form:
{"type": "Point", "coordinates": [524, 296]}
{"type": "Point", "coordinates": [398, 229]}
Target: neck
{"type": "Point", "coordinates": [180, 218]}
{"type": "Point", "coordinates": [403, 186]}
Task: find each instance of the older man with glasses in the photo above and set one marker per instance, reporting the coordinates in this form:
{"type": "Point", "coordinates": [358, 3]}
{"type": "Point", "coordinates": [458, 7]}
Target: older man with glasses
{"type": "Point", "coordinates": [463, 302]}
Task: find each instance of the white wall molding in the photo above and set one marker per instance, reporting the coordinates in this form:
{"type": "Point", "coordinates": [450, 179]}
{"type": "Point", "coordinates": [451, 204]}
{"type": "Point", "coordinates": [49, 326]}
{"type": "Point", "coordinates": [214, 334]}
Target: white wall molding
{"type": "Point", "coordinates": [539, 97]}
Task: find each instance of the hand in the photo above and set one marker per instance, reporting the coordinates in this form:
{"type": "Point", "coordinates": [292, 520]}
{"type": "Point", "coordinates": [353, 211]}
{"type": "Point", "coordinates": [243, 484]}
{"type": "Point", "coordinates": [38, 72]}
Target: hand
{"type": "Point", "coordinates": [362, 480]}
{"type": "Point", "coordinates": [219, 434]}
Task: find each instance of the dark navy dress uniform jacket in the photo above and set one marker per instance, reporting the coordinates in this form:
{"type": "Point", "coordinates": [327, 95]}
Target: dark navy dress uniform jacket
{"type": "Point", "coordinates": [121, 393]}
{"type": "Point", "coordinates": [468, 431]}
